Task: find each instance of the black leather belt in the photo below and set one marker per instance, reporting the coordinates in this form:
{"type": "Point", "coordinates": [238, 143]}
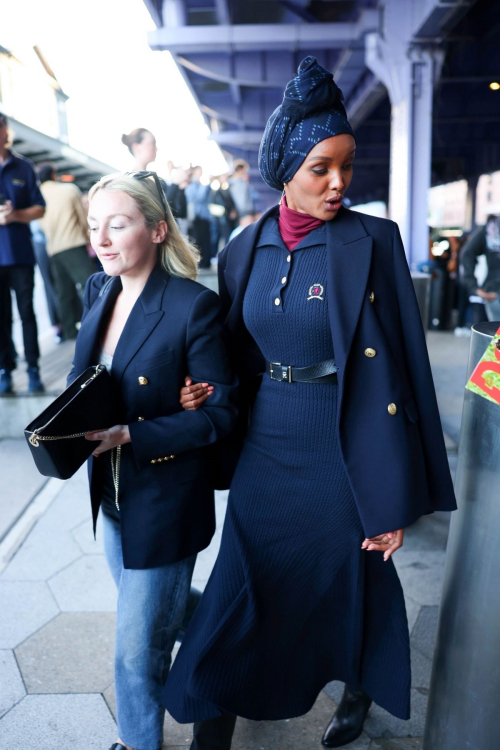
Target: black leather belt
{"type": "Point", "coordinates": [322, 372]}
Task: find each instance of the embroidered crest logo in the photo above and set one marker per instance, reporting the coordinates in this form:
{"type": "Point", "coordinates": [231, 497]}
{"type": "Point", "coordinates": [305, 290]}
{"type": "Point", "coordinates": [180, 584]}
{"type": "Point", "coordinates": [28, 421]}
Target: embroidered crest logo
{"type": "Point", "coordinates": [316, 291]}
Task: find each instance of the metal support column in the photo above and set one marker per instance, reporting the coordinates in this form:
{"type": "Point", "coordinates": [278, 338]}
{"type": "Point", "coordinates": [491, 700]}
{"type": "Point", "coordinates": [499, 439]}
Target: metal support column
{"type": "Point", "coordinates": [409, 72]}
{"type": "Point", "coordinates": [463, 701]}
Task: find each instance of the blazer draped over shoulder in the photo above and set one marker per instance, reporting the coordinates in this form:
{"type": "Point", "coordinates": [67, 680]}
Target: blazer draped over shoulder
{"type": "Point", "coordinates": [175, 328]}
{"type": "Point", "coordinates": [396, 462]}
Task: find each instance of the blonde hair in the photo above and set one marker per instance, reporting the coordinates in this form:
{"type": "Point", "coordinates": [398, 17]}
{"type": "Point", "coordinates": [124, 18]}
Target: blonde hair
{"type": "Point", "coordinates": [179, 257]}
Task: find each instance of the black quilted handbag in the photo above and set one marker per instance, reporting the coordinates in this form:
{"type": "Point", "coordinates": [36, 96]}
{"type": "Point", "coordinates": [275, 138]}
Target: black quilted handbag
{"type": "Point", "coordinates": [56, 437]}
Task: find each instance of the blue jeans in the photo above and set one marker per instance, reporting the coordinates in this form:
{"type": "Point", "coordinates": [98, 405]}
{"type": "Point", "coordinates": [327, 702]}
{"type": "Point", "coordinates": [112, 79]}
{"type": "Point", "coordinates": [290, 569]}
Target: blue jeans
{"type": "Point", "coordinates": [151, 606]}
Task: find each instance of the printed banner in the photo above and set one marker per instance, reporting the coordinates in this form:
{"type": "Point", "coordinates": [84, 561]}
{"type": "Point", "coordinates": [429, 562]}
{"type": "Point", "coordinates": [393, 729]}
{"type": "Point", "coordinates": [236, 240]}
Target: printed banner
{"type": "Point", "coordinates": [485, 380]}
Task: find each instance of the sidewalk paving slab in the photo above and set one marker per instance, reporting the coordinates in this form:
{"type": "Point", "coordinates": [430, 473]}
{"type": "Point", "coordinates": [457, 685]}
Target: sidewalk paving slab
{"type": "Point", "coordinates": [43, 554]}
{"type": "Point", "coordinates": [72, 654]}
{"type": "Point", "coordinates": [71, 506]}
{"type": "Point", "coordinates": [379, 723]}
{"type": "Point", "coordinates": [397, 744]}
{"type": "Point", "coordinates": [84, 537]}
{"type": "Point", "coordinates": [19, 481]}
{"type": "Point", "coordinates": [12, 688]}
{"type": "Point", "coordinates": [424, 633]}
{"type": "Point", "coordinates": [85, 586]}
{"type": "Point", "coordinates": [303, 733]}
{"type": "Point", "coordinates": [58, 722]}
{"type": "Point", "coordinates": [421, 574]}
{"type": "Point", "coordinates": [26, 607]}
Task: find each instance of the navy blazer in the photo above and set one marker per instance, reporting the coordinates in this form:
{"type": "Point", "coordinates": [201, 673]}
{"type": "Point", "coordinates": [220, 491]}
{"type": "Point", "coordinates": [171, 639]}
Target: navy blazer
{"type": "Point", "coordinates": [175, 328]}
{"type": "Point", "coordinates": [396, 463]}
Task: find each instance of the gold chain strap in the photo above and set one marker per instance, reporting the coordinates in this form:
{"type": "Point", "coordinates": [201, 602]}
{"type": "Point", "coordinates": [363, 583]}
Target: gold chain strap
{"type": "Point", "coordinates": [35, 437]}
{"type": "Point", "coordinates": [115, 471]}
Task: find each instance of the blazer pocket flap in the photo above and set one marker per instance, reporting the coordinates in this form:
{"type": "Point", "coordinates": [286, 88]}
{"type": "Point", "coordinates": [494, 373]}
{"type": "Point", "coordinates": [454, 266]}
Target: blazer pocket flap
{"type": "Point", "coordinates": [151, 362]}
{"type": "Point", "coordinates": [411, 409]}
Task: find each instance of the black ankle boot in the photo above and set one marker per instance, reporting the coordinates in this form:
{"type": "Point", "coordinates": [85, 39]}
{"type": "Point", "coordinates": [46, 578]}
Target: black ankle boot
{"type": "Point", "coordinates": [347, 721]}
{"type": "Point", "coordinates": [214, 734]}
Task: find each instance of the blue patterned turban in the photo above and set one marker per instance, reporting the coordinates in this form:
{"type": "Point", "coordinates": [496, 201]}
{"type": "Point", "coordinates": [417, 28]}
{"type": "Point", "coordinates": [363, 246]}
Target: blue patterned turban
{"type": "Point", "coordinates": [311, 111]}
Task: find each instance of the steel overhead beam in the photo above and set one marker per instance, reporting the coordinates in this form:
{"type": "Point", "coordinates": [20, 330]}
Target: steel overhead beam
{"type": "Point", "coordinates": [242, 138]}
{"type": "Point", "coordinates": [231, 117]}
{"type": "Point", "coordinates": [364, 100]}
{"type": "Point", "coordinates": [224, 19]}
{"type": "Point", "coordinates": [190, 86]}
{"type": "Point", "coordinates": [154, 12]}
{"type": "Point", "coordinates": [249, 83]}
{"type": "Point", "coordinates": [299, 9]}
{"type": "Point", "coordinates": [222, 11]}
{"type": "Point", "coordinates": [256, 37]}
{"type": "Point", "coordinates": [439, 16]}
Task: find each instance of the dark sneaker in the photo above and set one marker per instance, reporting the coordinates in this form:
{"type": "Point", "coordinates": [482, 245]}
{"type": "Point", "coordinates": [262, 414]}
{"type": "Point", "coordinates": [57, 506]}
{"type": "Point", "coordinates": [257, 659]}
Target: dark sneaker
{"type": "Point", "coordinates": [35, 384]}
{"type": "Point", "coordinates": [5, 382]}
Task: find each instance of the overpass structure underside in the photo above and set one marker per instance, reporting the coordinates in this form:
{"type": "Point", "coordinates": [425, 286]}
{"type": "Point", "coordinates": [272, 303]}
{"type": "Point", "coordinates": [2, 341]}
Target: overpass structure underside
{"type": "Point", "coordinates": [415, 76]}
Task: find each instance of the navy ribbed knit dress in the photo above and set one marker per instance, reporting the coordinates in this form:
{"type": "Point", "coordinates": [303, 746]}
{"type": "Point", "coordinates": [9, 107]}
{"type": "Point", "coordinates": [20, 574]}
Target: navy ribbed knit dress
{"type": "Point", "coordinates": [293, 601]}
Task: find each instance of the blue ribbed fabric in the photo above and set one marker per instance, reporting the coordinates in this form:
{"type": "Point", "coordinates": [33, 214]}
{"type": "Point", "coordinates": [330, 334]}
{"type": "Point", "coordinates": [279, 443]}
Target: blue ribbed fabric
{"type": "Point", "coordinates": [293, 602]}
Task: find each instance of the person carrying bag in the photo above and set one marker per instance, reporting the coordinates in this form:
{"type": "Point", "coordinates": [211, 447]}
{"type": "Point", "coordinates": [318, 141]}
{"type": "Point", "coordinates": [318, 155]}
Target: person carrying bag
{"type": "Point", "coordinates": [148, 322]}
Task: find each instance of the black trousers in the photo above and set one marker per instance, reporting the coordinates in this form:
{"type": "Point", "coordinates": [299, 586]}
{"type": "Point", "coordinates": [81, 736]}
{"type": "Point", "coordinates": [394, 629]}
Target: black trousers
{"type": "Point", "coordinates": [43, 262]}
{"type": "Point", "coordinates": [71, 268]}
{"type": "Point", "coordinates": [214, 734]}
{"type": "Point", "coordinates": [22, 280]}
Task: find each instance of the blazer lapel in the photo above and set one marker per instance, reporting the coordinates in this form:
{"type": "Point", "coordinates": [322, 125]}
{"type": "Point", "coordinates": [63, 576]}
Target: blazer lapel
{"type": "Point", "coordinates": [90, 332]}
{"type": "Point", "coordinates": [143, 319]}
{"type": "Point", "coordinates": [239, 266]}
{"type": "Point", "coordinates": [349, 257]}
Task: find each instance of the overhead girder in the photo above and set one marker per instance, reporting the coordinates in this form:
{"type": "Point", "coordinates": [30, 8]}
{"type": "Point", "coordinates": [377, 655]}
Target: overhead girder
{"type": "Point", "coordinates": [256, 61]}
{"type": "Point", "coordinates": [436, 17]}
{"type": "Point", "coordinates": [196, 39]}
{"type": "Point", "coordinates": [264, 69]}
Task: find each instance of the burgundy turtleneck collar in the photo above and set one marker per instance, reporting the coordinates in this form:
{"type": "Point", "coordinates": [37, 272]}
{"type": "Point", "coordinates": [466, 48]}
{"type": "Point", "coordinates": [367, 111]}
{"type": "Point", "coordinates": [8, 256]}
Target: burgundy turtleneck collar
{"type": "Point", "coordinates": [294, 226]}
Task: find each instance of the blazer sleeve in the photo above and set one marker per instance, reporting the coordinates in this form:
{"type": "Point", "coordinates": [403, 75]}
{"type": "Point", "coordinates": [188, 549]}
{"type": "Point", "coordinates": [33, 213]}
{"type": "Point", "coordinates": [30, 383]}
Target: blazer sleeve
{"type": "Point", "coordinates": [207, 361]}
{"type": "Point", "coordinates": [440, 485]}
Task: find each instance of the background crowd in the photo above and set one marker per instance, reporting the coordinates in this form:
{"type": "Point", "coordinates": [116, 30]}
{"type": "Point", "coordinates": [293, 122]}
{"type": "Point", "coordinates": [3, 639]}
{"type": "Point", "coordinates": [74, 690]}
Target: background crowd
{"type": "Point", "coordinates": [53, 234]}
{"type": "Point", "coordinates": [45, 223]}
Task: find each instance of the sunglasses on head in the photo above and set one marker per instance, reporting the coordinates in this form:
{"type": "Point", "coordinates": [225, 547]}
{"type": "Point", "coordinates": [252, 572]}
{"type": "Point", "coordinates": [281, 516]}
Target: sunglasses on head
{"type": "Point", "coordinates": [142, 175]}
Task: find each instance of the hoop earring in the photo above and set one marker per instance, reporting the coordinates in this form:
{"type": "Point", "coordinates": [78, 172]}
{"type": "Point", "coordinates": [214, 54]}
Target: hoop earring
{"type": "Point", "coordinates": [282, 195]}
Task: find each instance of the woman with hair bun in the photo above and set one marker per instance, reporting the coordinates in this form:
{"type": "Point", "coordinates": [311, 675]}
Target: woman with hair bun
{"type": "Point", "coordinates": [149, 322]}
{"type": "Point", "coordinates": [343, 448]}
{"type": "Point", "coordinates": [142, 145]}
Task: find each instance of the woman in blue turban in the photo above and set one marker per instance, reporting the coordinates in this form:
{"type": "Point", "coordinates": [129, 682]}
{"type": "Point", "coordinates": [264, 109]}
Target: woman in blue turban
{"type": "Point", "coordinates": [339, 448]}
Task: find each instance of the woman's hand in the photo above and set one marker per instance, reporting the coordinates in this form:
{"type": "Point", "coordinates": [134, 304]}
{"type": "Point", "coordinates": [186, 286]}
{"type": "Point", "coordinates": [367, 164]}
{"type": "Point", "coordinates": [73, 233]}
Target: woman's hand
{"type": "Point", "coordinates": [117, 435]}
{"type": "Point", "coordinates": [386, 543]}
{"type": "Point", "coordinates": [194, 395]}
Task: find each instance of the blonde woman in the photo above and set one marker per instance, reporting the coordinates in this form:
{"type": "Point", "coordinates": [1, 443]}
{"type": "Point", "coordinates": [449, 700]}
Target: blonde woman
{"type": "Point", "coordinates": [149, 322]}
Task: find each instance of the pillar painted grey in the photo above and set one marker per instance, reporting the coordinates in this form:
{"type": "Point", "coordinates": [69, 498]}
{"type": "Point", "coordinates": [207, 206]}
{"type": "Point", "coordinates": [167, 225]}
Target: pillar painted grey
{"type": "Point", "coordinates": [465, 686]}
{"type": "Point", "coordinates": [408, 70]}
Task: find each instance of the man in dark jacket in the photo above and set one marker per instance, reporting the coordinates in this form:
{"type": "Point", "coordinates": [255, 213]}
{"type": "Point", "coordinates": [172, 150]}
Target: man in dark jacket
{"type": "Point", "coordinates": [485, 241]}
{"type": "Point", "coordinates": [20, 202]}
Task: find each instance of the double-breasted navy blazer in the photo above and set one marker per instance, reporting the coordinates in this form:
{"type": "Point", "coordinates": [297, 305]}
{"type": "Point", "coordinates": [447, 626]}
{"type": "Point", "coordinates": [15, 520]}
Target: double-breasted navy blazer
{"type": "Point", "coordinates": [175, 328]}
{"type": "Point", "coordinates": [388, 421]}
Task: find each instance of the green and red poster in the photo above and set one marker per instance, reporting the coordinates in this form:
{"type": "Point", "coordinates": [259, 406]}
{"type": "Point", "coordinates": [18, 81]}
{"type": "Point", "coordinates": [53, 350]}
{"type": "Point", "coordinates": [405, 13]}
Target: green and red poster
{"type": "Point", "coordinates": [485, 380]}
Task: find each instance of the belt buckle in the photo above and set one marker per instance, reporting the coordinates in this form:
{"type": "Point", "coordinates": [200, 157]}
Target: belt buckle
{"type": "Point", "coordinates": [280, 373]}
